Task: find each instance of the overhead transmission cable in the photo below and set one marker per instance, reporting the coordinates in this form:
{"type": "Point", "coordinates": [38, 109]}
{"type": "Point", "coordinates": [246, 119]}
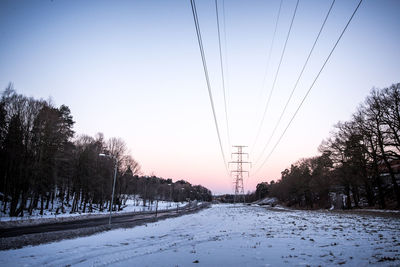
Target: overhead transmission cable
{"type": "Point", "coordinates": [225, 47]}
{"type": "Point", "coordinates": [268, 62]}
{"type": "Point", "coordinates": [296, 83]}
{"type": "Point", "coordinates": [226, 52]}
{"type": "Point", "coordinates": [312, 85]}
{"type": "Point", "coordinates": [276, 75]}
{"type": "Point", "coordinates": [222, 73]}
{"type": "Point", "coordinates": [272, 44]}
{"type": "Point", "coordinates": [203, 58]}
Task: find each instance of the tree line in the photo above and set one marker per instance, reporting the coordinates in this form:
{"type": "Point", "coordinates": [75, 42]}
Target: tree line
{"type": "Point", "coordinates": [45, 166]}
{"type": "Point", "coordinates": [358, 165]}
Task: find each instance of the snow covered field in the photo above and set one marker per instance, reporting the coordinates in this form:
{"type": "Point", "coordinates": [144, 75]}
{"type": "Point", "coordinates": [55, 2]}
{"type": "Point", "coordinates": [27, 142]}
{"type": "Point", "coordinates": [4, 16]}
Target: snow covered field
{"type": "Point", "coordinates": [228, 235]}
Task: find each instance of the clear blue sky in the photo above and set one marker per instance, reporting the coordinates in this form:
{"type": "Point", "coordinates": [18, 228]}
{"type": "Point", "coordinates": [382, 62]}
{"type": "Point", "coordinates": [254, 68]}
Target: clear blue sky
{"type": "Point", "coordinates": [132, 69]}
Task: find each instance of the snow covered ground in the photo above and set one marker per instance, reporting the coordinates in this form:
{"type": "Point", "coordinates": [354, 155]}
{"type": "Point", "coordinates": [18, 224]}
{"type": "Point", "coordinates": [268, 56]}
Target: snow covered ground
{"type": "Point", "coordinates": [228, 235]}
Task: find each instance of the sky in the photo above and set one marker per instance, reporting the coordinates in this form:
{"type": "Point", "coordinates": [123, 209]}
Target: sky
{"type": "Point", "coordinates": [132, 69]}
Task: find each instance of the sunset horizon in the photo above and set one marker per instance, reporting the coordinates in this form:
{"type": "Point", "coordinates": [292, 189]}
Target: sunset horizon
{"type": "Point", "coordinates": [133, 70]}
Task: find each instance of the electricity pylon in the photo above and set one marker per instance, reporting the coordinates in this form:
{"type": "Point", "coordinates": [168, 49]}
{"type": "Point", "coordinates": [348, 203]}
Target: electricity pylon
{"type": "Point", "coordinates": [238, 173]}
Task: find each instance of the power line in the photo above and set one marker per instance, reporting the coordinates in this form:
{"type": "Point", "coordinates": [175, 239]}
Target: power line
{"type": "Point", "coordinates": [226, 56]}
{"type": "Point", "coordinates": [276, 74]}
{"type": "Point", "coordinates": [272, 43]}
{"type": "Point", "coordinates": [225, 42]}
{"type": "Point", "coordinates": [297, 82]}
{"type": "Point", "coordinates": [268, 62]}
{"type": "Point", "coordinates": [304, 98]}
{"type": "Point", "coordinates": [203, 58]}
{"type": "Point", "coordinates": [222, 73]}
{"type": "Point", "coordinates": [225, 52]}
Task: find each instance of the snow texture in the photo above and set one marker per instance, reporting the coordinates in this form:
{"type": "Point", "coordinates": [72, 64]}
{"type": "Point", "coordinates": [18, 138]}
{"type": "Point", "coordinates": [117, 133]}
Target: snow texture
{"type": "Point", "coordinates": [229, 235]}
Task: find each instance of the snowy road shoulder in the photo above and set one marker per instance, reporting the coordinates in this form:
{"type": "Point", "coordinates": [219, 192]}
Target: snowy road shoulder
{"type": "Point", "coordinates": [131, 207]}
{"type": "Point", "coordinates": [228, 235]}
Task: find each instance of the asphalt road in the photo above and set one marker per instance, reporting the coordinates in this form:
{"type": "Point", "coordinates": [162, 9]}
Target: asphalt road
{"type": "Point", "coordinates": [117, 221]}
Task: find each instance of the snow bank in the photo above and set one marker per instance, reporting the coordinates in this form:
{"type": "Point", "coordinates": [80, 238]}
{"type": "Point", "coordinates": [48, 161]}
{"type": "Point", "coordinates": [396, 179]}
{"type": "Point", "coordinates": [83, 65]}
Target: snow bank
{"type": "Point", "coordinates": [378, 210]}
{"type": "Point", "coordinates": [272, 201]}
{"type": "Point", "coordinates": [131, 206]}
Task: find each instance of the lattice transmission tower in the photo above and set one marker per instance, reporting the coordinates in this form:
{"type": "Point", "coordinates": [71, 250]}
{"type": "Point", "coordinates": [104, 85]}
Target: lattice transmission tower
{"type": "Point", "coordinates": [238, 173]}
